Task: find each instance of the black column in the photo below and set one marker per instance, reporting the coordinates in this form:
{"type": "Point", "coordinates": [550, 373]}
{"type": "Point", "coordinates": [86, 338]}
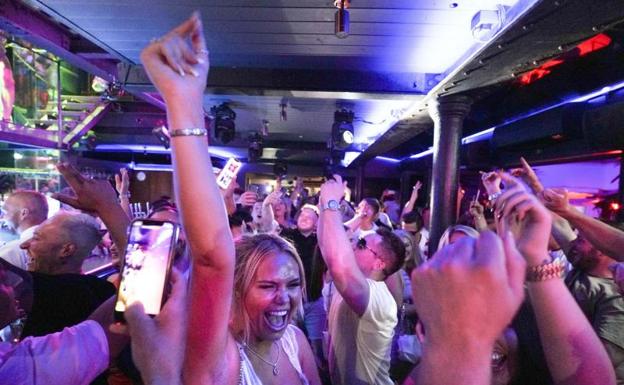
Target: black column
{"type": "Point", "coordinates": [448, 115]}
{"type": "Point", "coordinates": [358, 194]}
{"type": "Point", "coordinates": [620, 197]}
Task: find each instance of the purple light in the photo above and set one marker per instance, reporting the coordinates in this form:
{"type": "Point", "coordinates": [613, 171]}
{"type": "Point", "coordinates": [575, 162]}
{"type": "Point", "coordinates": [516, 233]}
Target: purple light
{"type": "Point", "coordinates": [387, 159]}
{"type": "Point", "coordinates": [486, 134]}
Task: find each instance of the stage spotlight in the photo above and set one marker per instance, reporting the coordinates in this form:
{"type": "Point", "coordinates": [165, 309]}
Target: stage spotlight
{"type": "Point", "coordinates": [280, 168]}
{"type": "Point", "coordinates": [342, 130]}
{"type": "Point", "coordinates": [341, 19]}
{"type": "Point", "coordinates": [162, 134]}
{"type": "Point", "coordinates": [254, 152]}
{"type": "Point", "coordinates": [99, 85]}
{"type": "Point", "coordinates": [224, 126]}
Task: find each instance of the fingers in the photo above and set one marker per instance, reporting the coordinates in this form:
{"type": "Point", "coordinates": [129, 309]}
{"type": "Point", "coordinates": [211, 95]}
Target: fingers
{"type": "Point", "coordinates": [509, 202]}
{"type": "Point", "coordinates": [178, 284]}
{"type": "Point", "coordinates": [172, 55]}
{"type": "Point", "coordinates": [71, 175]}
{"type": "Point", "coordinates": [525, 165]}
{"type": "Point", "coordinates": [188, 26]}
{"type": "Point", "coordinates": [515, 265]}
{"type": "Point", "coordinates": [509, 180]}
{"type": "Point", "coordinates": [517, 172]}
{"type": "Point", "coordinates": [119, 328]}
{"type": "Point", "coordinates": [337, 178]}
{"type": "Point", "coordinates": [463, 250]}
{"type": "Point", "coordinates": [178, 291]}
{"type": "Point", "coordinates": [73, 202]}
{"type": "Point", "coordinates": [489, 250]}
{"type": "Point", "coordinates": [197, 37]}
{"type": "Point", "coordinates": [136, 319]}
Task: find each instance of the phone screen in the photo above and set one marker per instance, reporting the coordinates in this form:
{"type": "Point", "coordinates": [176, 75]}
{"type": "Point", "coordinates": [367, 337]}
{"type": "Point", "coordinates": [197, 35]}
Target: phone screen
{"type": "Point", "coordinates": [146, 265]}
{"type": "Point", "coordinates": [228, 173]}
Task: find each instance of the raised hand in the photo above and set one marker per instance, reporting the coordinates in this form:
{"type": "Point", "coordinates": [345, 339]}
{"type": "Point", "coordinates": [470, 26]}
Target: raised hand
{"type": "Point", "coordinates": [273, 198]}
{"type": "Point", "coordinates": [248, 199]}
{"type": "Point", "coordinates": [333, 189]}
{"type": "Point", "coordinates": [556, 200]}
{"type": "Point", "coordinates": [122, 182]}
{"type": "Point", "coordinates": [529, 177]}
{"type": "Point", "coordinates": [91, 194]}
{"type": "Point", "coordinates": [476, 209]}
{"type": "Point", "coordinates": [416, 188]}
{"type": "Point", "coordinates": [177, 63]}
{"type": "Point", "coordinates": [150, 335]}
{"type": "Point", "coordinates": [491, 181]}
{"type": "Point", "coordinates": [521, 213]}
{"type": "Point", "coordinates": [479, 282]}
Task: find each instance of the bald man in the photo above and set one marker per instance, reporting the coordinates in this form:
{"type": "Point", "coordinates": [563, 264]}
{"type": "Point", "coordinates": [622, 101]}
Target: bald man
{"type": "Point", "coordinates": [61, 243]}
{"type": "Point", "coordinates": [23, 211]}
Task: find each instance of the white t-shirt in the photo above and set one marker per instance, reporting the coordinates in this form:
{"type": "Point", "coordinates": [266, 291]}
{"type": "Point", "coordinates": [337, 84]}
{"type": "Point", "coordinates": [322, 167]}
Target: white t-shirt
{"type": "Point", "coordinates": [74, 356]}
{"type": "Point", "coordinates": [12, 253]}
{"type": "Point", "coordinates": [360, 233]}
{"type": "Point", "coordinates": [424, 243]}
{"type": "Point", "coordinates": [359, 347]}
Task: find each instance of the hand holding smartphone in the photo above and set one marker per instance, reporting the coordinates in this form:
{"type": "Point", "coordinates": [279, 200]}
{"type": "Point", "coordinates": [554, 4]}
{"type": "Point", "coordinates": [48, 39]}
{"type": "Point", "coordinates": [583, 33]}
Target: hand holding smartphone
{"type": "Point", "coordinates": [146, 265]}
{"type": "Point", "coordinates": [228, 173]}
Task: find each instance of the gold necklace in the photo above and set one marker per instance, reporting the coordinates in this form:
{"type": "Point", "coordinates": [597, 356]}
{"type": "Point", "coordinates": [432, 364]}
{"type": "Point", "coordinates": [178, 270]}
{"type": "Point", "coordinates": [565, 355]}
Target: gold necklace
{"type": "Point", "coordinates": [272, 364]}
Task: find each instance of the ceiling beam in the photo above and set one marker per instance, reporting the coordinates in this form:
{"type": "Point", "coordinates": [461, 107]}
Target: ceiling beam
{"type": "Point", "coordinates": [547, 29]}
{"type": "Point", "coordinates": [315, 83]}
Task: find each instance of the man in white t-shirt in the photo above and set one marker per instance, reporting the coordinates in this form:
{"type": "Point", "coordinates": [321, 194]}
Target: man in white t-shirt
{"type": "Point", "coordinates": [23, 211]}
{"type": "Point", "coordinates": [363, 313]}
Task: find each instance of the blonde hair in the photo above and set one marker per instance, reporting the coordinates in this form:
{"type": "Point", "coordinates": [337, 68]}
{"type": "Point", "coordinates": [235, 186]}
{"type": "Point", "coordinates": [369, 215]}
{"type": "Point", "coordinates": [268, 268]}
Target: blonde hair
{"type": "Point", "coordinates": [250, 252]}
{"type": "Point", "coordinates": [445, 239]}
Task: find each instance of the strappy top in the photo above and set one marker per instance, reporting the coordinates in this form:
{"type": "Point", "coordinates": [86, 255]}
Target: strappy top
{"type": "Point", "coordinates": [289, 345]}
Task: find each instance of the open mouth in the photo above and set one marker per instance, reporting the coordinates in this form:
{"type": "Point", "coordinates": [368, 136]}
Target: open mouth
{"type": "Point", "coordinates": [277, 320]}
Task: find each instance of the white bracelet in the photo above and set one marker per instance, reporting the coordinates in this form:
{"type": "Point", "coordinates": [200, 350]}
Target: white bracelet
{"type": "Point", "coordinates": [189, 132]}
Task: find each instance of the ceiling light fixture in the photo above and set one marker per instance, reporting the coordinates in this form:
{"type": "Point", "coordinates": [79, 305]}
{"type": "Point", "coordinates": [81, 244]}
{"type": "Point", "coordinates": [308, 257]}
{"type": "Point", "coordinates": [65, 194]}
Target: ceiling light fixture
{"type": "Point", "coordinates": [254, 151]}
{"type": "Point", "coordinates": [341, 19]}
{"type": "Point", "coordinates": [224, 126]}
{"type": "Point", "coordinates": [280, 168]}
{"type": "Point", "coordinates": [162, 134]}
{"type": "Point", "coordinates": [342, 129]}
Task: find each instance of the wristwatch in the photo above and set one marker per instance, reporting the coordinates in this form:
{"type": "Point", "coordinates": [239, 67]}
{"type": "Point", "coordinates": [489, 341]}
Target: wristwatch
{"type": "Point", "coordinates": [331, 205]}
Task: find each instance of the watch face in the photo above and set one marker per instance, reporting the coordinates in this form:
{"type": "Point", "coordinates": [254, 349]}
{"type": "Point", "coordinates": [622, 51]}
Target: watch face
{"type": "Point", "coordinates": [332, 204]}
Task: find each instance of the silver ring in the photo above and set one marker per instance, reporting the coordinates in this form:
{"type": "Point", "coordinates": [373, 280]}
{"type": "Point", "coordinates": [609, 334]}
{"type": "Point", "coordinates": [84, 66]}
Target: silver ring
{"type": "Point", "coordinates": [155, 40]}
{"type": "Point", "coordinates": [203, 52]}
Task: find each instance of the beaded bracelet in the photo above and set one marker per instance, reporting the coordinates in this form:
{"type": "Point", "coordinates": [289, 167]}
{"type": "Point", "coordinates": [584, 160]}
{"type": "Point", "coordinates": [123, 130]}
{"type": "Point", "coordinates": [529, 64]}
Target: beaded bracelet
{"type": "Point", "coordinates": [554, 269]}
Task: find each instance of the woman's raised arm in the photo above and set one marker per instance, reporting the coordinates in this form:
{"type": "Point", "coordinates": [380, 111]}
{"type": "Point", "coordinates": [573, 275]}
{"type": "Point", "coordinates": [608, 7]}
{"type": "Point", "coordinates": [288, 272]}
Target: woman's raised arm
{"type": "Point", "coordinates": [178, 66]}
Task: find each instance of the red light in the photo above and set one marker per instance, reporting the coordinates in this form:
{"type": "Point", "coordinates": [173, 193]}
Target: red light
{"type": "Point", "coordinates": [588, 46]}
{"type": "Point", "coordinates": [615, 206]}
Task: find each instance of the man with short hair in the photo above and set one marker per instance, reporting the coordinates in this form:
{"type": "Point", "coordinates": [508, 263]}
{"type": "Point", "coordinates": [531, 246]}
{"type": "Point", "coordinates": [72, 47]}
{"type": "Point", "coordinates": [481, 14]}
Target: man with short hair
{"type": "Point", "coordinates": [23, 211]}
{"type": "Point", "coordinates": [305, 241]}
{"type": "Point", "coordinates": [592, 285]}
{"type": "Point", "coordinates": [60, 244]}
{"type": "Point", "coordinates": [363, 313]}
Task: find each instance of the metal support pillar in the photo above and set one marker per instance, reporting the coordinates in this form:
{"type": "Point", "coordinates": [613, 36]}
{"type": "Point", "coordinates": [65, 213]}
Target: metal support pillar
{"type": "Point", "coordinates": [358, 193]}
{"type": "Point", "coordinates": [448, 115]}
{"type": "Point", "coordinates": [620, 197]}
{"type": "Point", "coordinates": [59, 107]}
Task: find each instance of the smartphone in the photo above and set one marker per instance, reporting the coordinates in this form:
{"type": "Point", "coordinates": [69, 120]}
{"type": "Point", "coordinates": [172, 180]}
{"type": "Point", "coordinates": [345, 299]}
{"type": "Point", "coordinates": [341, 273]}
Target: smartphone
{"type": "Point", "coordinates": [254, 188]}
{"type": "Point", "coordinates": [228, 173]}
{"type": "Point", "coordinates": [146, 265]}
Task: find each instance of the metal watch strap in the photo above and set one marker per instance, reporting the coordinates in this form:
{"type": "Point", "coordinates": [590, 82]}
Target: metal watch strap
{"type": "Point", "coordinates": [189, 132]}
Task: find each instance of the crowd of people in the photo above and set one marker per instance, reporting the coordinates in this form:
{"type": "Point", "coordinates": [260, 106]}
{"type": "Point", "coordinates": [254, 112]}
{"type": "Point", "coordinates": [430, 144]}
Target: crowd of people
{"type": "Point", "coordinates": [302, 288]}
